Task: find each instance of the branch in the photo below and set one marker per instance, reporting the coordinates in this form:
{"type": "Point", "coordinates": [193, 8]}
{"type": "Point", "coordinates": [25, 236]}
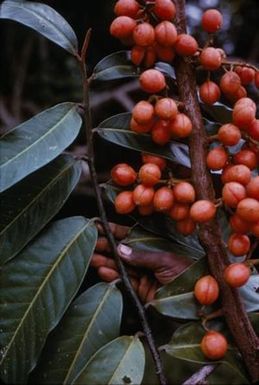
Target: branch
{"type": "Point", "coordinates": [209, 233]}
{"type": "Point", "coordinates": [123, 272]}
{"type": "Point", "coordinates": [199, 378]}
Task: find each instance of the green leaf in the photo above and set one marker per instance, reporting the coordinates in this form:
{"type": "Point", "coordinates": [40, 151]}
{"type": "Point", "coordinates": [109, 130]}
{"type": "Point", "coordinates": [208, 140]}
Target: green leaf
{"type": "Point", "coordinates": [36, 289]}
{"type": "Point", "coordinates": [116, 130]}
{"type": "Point", "coordinates": [250, 293]}
{"type": "Point", "coordinates": [121, 361]}
{"type": "Point", "coordinates": [42, 19]}
{"type": "Point", "coordinates": [31, 203]}
{"type": "Point", "coordinates": [36, 142]}
{"type": "Point", "coordinates": [96, 317]}
{"type": "Point", "coordinates": [218, 112]}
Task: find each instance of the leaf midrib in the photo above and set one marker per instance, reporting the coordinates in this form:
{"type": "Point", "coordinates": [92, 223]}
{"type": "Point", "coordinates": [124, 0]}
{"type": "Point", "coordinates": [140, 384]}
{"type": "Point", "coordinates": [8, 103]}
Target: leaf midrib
{"type": "Point", "coordinates": [120, 363]}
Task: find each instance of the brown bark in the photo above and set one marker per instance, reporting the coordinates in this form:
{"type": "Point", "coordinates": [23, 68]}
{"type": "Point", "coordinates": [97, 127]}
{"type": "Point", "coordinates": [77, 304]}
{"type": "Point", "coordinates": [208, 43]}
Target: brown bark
{"type": "Point", "coordinates": [209, 233]}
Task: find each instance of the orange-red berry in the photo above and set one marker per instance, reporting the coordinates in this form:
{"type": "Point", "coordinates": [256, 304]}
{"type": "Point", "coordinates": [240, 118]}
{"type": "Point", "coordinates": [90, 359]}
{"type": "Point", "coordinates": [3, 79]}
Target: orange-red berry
{"type": "Point", "coordinates": [122, 27]}
{"type": "Point", "coordinates": [236, 274]}
{"type": "Point", "coordinates": [143, 112]}
{"type": "Point", "coordinates": [144, 34]}
{"type": "Point", "coordinates": [252, 188]}
{"type": "Point", "coordinates": [146, 210]}
{"type": "Point", "coordinates": [166, 54]}
{"type": "Point", "coordinates": [185, 226]}
{"type": "Point", "coordinates": [246, 157]}
{"type": "Point", "coordinates": [163, 199]}
{"type": "Point", "coordinates": [206, 290]}
{"type": "Point", "coordinates": [140, 128]}
{"type": "Point", "coordinates": [179, 211]}
{"type": "Point", "coordinates": [246, 75]}
{"type": "Point", "coordinates": [229, 134]}
{"type": "Point", "coordinates": [217, 158]}
{"type": "Point", "coordinates": [209, 92]}
{"type": "Point", "coordinates": [239, 225]}
{"type": "Point", "coordinates": [164, 9]}
{"type": "Point", "coordinates": [160, 132]}
{"type": "Point", "coordinates": [124, 203]}
{"type": "Point", "coordinates": [253, 129]}
{"type": "Point", "coordinates": [210, 58]}
{"type": "Point", "coordinates": [202, 211]}
{"type": "Point", "coordinates": [239, 244]}
{"type": "Point", "coordinates": [230, 82]}
{"type": "Point", "coordinates": [186, 45]}
{"type": "Point", "coordinates": [160, 162]}
{"type": "Point", "coordinates": [143, 195]}
{"type": "Point", "coordinates": [211, 20]}
{"type": "Point", "coordinates": [127, 8]}
{"type": "Point", "coordinates": [152, 81]}
{"type": "Point", "coordinates": [149, 174]}
{"type": "Point", "coordinates": [214, 345]}
{"type": "Point", "coordinates": [248, 209]}
{"type": "Point", "coordinates": [123, 175]}
{"type": "Point", "coordinates": [233, 193]}
{"type": "Point", "coordinates": [166, 34]}
{"type": "Point", "coordinates": [243, 115]}
{"type": "Point", "coordinates": [166, 108]}
{"type": "Point", "coordinates": [238, 173]}
{"type": "Point", "coordinates": [184, 192]}
{"type": "Point", "coordinates": [181, 126]}
{"type": "Point", "coordinates": [137, 54]}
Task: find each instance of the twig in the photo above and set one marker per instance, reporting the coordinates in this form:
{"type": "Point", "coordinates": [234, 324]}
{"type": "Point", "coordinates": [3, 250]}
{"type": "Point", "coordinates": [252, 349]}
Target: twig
{"type": "Point", "coordinates": [209, 233]}
{"type": "Point", "coordinates": [199, 378]}
{"type": "Point", "coordinates": [239, 64]}
{"type": "Point", "coordinates": [109, 235]}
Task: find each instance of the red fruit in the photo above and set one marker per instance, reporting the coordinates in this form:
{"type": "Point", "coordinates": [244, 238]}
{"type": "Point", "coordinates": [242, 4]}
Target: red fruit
{"type": "Point", "coordinates": [239, 94]}
{"type": "Point", "coordinates": [229, 135]}
{"type": "Point", "coordinates": [202, 211]}
{"type": "Point", "coordinates": [210, 58]}
{"type": "Point", "coordinates": [217, 158]}
{"type": "Point", "coordinates": [164, 53]}
{"type": "Point", "coordinates": [137, 55]}
{"type": "Point", "coordinates": [179, 211]}
{"type": "Point", "coordinates": [239, 244]}
{"type": "Point", "coordinates": [239, 225]}
{"type": "Point", "coordinates": [206, 290]}
{"type": "Point", "coordinates": [164, 9]}
{"type": "Point", "coordinates": [160, 162]}
{"type": "Point", "coordinates": [246, 75]}
{"type": "Point", "coordinates": [238, 173]}
{"type": "Point", "coordinates": [160, 133]}
{"type": "Point", "coordinates": [141, 128]}
{"type": "Point", "coordinates": [149, 174]}
{"type": "Point", "coordinates": [236, 274]}
{"type": "Point", "coordinates": [163, 199]}
{"type": "Point", "coordinates": [255, 229]}
{"type": "Point", "coordinates": [211, 20]}
{"type": "Point", "coordinates": [257, 79]}
{"type": "Point", "coordinates": [124, 203]}
{"type": "Point", "coordinates": [123, 175]}
{"type": "Point", "coordinates": [122, 27]}
{"type": "Point", "coordinates": [185, 226]}
{"type": "Point", "coordinates": [243, 115]}
{"type": "Point", "coordinates": [246, 157]}
{"type": "Point", "coordinates": [127, 8]}
{"type": "Point", "coordinates": [186, 45]}
{"type": "Point", "coordinates": [248, 209]}
{"type": "Point", "coordinates": [143, 195]}
{"type": "Point", "coordinates": [184, 192]}
{"type": "Point", "coordinates": [253, 129]}
{"type": "Point", "coordinates": [252, 188]}
{"type": "Point", "coordinates": [144, 35]}
{"type": "Point", "coordinates": [230, 83]}
{"type": "Point", "coordinates": [166, 34]}
{"type": "Point", "coordinates": [209, 92]}
{"type": "Point", "coordinates": [214, 345]}
{"type": "Point", "coordinates": [181, 126]}
{"type": "Point", "coordinates": [246, 102]}
{"type": "Point", "coordinates": [233, 193]}
{"type": "Point", "coordinates": [143, 112]}
{"type": "Point", "coordinates": [150, 57]}
{"type": "Point", "coordinates": [166, 108]}
{"type": "Point", "coordinates": [146, 210]}
{"type": "Point", "coordinates": [152, 81]}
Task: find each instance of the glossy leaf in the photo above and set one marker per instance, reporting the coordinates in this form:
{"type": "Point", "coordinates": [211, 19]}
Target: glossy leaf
{"type": "Point", "coordinates": [90, 322]}
{"type": "Point", "coordinates": [36, 289]}
{"type": "Point", "coordinates": [218, 112]}
{"type": "Point", "coordinates": [119, 362]}
{"type": "Point", "coordinates": [43, 19]}
{"type": "Point", "coordinates": [31, 203]}
{"type": "Point", "coordinates": [36, 142]}
{"type": "Point", "coordinates": [116, 130]}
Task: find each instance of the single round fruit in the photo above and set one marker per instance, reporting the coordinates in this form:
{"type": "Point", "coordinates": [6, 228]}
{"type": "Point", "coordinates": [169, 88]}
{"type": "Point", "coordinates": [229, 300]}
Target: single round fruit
{"type": "Point", "coordinates": [217, 158]}
{"type": "Point", "coordinates": [141, 128]}
{"type": "Point", "coordinates": [229, 134]}
{"type": "Point", "coordinates": [179, 211]}
{"type": "Point", "coordinates": [252, 188]}
{"type": "Point", "coordinates": [150, 57]}
{"type": "Point", "coordinates": [240, 93]}
{"type": "Point", "coordinates": [166, 108]}
{"type": "Point", "coordinates": [122, 27]}
{"type": "Point", "coordinates": [206, 290]}
{"type": "Point", "coordinates": [230, 83]}
{"type": "Point", "coordinates": [144, 34]}
{"type": "Point", "coordinates": [185, 226]}
{"type": "Point", "coordinates": [123, 175]}
{"type": "Point", "coordinates": [143, 112]}
{"type": "Point", "coordinates": [253, 129]}
{"type": "Point", "coordinates": [160, 162]}
{"type": "Point", "coordinates": [164, 9]}
{"type": "Point", "coordinates": [181, 126]}
{"type": "Point", "coordinates": [166, 34]}
{"type": "Point", "coordinates": [160, 132]}
{"type": "Point", "coordinates": [143, 195]}
{"type": "Point", "coordinates": [214, 345]}
{"type": "Point", "coordinates": [137, 54]}
{"type": "Point", "coordinates": [124, 203]}
{"type": "Point", "coordinates": [233, 193]}
{"type": "Point", "coordinates": [246, 157]}
{"type": "Point", "coordinates": [236, 274]}
{"type": "Point", "coordinates": [127, 8]}
{"type": "Point", "coordinates": [238, 173]}
{"type": "Point", "coordinates": [163, 199]}
{"type": "Point", "coordinates": [239, 244]}
{"type": "Point", "coordinates": [149, 174]}
{"type": "Point", "coordinates": [243, 115]}
{"type": "Point", "coordinates": [184, 192]}
{"type": "Point", "coordinates": [202, 211]}
{"type": "Point", "coordinates": [210, 59]}
{"type": "Point", "coordinates": [211, 20]}
{"type": "Point", "coordinates": [239, 225]}
{"type": "Point", "coordinates": [248, 209]}
{"type": "Point", "coordinates": [246, 102]}
{"type": "Point", "coordinates": [186, 45]}
{"type": "Point", "coordinates": [152, 81]}
{"type": "Point", "coordinates": [209, 92]}
{"type": "Point", "coordinates": [246, 75]}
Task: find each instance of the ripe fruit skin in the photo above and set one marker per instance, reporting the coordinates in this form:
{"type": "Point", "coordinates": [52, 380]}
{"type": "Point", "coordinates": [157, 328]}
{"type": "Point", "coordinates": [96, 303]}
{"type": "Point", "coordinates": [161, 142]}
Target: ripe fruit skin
{"type": "Point", "coordinates": [246, 157]}
{"type": "Point", "coordinates": [163, 199]}
{"type": "Point", "coordinates": [166, 108]}
{"type": "Point", "coordinates": [185, 226]}
{"type": "Point", "coordinates": [248, 209]}
{"type": "Point", "coordinates": [144, 35]}
{"type": "Point", "coordinates": [186, 45]}
{"type": "Point", "coordinates": [202, 211]}
{"type": "Point", "coordinates": [149, 174]}
{"type": "Point", "coordinates": [246, 75]}
{"type": "Point", "coordinates": [143, 112]}
{"type": "Point", "coordinates": [137, 55]}
{"type": "Point", "coordinates": [146, 210]}
{"type": "Point", "coordinates": [253, 129]}
{"type": "Point", "coordinates": [246, 102]}
{"type": "Point", "coordinates": [211, 20]}
{"type": "Point", "coordinates": [210, 59]}
{"type": "Point", "coordinates": [152, 81]}
{"type": "Point", "coordinates": [206, 290]}
{"type": "Point", "coordinates": [252, 188]}
{"type": "Point", "coordinates": [164, 9]}
{"type": "Point", "coordinates": [143, 195]}
{"type": "Point", "coordinates": [181, 126]}
{"type": "Point", "coordinates": [255, 229]}
{"type": "Point", "coordinates": [238, 173]}
{"type": "Point", "coordinates": [124, 203]}
{"type": "Point", "coordinates": [166, 34]}
{"type": "Point", "coordinates": [257, 79]}
{"type": "Point", "coordinates": [160, 132]}
{"type": "Point", "coordinates": [150, 57]}
{"type": "Point", "coordinates": [230, 83]}
{"type": "Point", "coordinates": [179, 211]}
{"type": "Point", "coordinates": [239, 225]}
{"type": "Point", "coordinates": [184, 192]}
{"type": "Point", "coordinates": [122, 27]}
{"type": "Point", "coordinates": [141, 128]}
{"type": "Point", "coordinates": [127, 8]}
{"type": "Point", "coordinates": [160, 162]}
{"type": "Point", "coordinates": [214, 345]}
{"type": "Point", "coordinates": [164, 53]}
{"type": "Point", "coordinates": [233, 193]}
{"type": "Point", "coordinates": [209, 92]}
{"type": "Point", "coordinates": [243, 115]}
{"type": "Point", "coordinates": [217, 158]}
{"type": "Point", "coordinates": [236, 274]}
{"type": "Point", "coordinates": [123, 174]}
{"type": "Point", "coordinates": [229, 134]}
{"type": "Point", "coordinates": [239, 244]}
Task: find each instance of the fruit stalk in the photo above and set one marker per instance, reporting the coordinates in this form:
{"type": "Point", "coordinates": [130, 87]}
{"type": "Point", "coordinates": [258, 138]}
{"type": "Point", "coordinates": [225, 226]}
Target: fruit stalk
{"type": "Point", "coordinates": [209, 233]}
